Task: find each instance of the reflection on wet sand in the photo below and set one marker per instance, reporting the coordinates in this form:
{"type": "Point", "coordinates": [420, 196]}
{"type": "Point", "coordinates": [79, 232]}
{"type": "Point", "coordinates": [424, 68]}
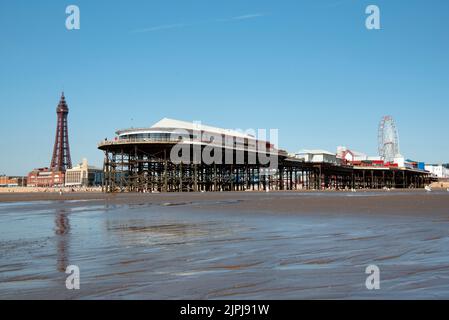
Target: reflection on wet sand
{"type": "Point", "coordinates": [62, 232]}
{"type": "Point", "coordinates": [141, 231]}
{"type": "Point", "coordinates": [228, 250]}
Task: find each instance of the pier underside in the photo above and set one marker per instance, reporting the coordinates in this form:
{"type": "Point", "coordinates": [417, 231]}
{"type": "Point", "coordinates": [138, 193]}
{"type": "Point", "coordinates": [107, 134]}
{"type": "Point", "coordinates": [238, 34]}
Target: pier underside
{"type": "Point", "coordinates": [147, 168]}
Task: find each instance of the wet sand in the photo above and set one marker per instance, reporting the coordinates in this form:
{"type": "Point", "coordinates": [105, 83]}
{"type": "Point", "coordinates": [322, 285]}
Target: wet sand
{"type": "Point", "coordinates": [225, 245]}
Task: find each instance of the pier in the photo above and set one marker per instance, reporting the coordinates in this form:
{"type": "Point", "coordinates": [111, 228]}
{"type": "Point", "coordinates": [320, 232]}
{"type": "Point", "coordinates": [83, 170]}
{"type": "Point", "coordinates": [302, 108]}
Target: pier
{"type": "Point", "coordinates": [144, 165]}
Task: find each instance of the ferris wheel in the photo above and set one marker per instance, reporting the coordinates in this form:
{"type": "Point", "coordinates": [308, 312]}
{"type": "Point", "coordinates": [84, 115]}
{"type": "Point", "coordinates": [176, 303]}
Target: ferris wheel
{"type": "Point", "coordinates": [388, 139]}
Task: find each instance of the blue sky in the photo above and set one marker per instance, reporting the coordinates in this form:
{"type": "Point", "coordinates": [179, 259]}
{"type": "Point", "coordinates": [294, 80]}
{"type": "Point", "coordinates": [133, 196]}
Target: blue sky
{"type": "Point", "coordinates": [309, 68]}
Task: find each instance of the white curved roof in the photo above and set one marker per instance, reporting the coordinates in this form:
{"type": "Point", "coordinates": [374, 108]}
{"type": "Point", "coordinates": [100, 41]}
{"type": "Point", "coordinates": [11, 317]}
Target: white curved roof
{"type": "Point", "coordinates": [178, 124]}
{"type": "Point", "coordinates": [171, 125]}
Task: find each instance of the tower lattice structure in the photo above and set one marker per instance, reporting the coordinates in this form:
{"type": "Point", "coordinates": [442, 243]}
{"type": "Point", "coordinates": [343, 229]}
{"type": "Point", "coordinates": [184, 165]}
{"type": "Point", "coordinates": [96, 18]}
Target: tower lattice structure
{"type": "Point", "coordinates": [61, 160]}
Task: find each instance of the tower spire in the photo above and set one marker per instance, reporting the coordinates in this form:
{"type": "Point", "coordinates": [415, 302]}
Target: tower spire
{"type": "Point", "coordinates": [61, 160]}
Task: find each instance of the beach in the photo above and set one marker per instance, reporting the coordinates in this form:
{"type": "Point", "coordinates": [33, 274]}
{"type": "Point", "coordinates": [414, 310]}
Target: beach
{"type": "Point", "coordinates": [247, 245]}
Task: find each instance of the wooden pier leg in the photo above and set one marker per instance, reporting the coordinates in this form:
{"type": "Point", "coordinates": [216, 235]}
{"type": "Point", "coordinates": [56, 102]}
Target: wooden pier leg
{"type": "Point", "coordinates": [195, 178]}
{"type": "Point", "coordinates": [180, 177]}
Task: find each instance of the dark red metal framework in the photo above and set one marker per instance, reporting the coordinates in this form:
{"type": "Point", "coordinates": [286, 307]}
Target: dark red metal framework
{"type": "Point", "coordinates": [61, 160]}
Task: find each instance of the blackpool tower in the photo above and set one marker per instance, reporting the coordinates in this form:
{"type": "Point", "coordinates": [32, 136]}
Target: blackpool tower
{"type": "Point", "coordinates": [61, 152]}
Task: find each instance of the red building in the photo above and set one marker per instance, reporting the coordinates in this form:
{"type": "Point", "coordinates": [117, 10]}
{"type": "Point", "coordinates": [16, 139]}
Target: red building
{"type": "Point", "coordinates": [44, 177]}
{"type": "Point", "coordinates": [6, 181]}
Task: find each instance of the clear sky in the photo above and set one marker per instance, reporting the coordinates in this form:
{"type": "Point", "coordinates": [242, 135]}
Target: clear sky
{"type": "Point", "coordinates": [309, 68]}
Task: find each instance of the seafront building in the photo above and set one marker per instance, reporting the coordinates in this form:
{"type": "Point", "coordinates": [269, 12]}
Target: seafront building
{"type": "Point", "coordinates": [45, 178]}
{"type": "Point", "coordinates": [318, 156]}
{"type": "Point", "coordinates": [438, 170]}
{"type": "Point", "coordinates": [153, 160]}
{"type": "Point", "coordinates": [83, 175]}
{"type": "Point", "coordinates": [8, 181]}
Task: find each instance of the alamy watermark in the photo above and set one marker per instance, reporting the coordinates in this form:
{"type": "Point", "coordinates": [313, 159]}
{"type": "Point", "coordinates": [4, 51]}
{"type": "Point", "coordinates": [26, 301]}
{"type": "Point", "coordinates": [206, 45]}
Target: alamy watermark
{"type": "Point", "coordinates": [72, 282]}
{"type": "Point", "coordinates": [373, 280]}
{"type": "Point", "coordinates": [73, 21]}
{"type": "Point", "coordinates": [372, 22]}
{"type": "Point", "coordinates": [237, 147]}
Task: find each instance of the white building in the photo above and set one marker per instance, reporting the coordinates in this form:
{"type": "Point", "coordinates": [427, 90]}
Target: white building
{"type": "Point", "coordinates": [351, 155]}
{"type": "Point", "coordinates": [317, 156]}
{"type": "Point", "coordinates": [438, 170]}
{"type": "Point", "coordinates": [171, 130]}
{"type": "Point", "coordinates": [83, 175]}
